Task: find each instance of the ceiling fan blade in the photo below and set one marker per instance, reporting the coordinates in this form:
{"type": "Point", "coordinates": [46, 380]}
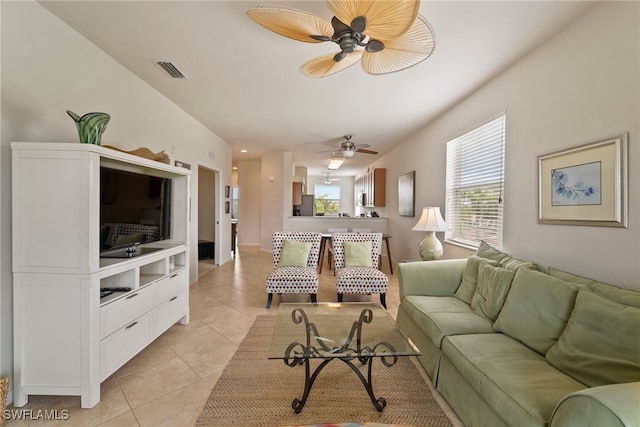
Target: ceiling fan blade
{"type": "Point", "coordinates": [292, 23]}
{"type": "Point", "coordinates": [324, 65]}
{"type": "Point", "coordinates": [410, 49]}
{"type": "Point", "coordinates": [358, 146]}
{"type": "Point", "coordinates": [360, 150]}
{"type": "Point", "coordinates": [386, 19]}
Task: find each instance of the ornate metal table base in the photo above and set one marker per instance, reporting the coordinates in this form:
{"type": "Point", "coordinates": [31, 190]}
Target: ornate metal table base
{"type": "Point", "coordinates": [298, 354]}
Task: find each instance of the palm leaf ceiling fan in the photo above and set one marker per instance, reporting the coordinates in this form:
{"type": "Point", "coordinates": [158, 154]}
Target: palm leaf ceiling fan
{"type": "Point", "coordinates": [392, 34]}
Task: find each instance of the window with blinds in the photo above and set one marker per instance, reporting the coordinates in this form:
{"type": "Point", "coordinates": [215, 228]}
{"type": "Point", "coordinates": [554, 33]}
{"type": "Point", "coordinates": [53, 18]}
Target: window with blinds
{"type": "Point", "coordinates": [475, 182]}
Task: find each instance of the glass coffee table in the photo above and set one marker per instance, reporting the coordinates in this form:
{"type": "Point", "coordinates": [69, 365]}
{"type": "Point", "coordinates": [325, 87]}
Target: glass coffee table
{"type": "Point", "coordinates": [348, 332]}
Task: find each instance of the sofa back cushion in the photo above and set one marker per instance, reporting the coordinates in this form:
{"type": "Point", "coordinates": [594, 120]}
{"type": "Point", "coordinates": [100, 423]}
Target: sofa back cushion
{"type": "Point", "coordinates": [470, 277]}
{"type": "Point", "coordinates": [600, 344]}
{"type": "Point", "coordinates": [614, 293]}
{"type": "Point", "coordinates": [537, 309]}
{"type": "Point", "coordinates": [491, 291]}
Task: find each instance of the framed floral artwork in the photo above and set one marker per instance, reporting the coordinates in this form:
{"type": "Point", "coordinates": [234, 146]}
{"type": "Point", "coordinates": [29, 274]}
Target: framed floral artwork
{"type": "Point", "coordinates": [585, 184]}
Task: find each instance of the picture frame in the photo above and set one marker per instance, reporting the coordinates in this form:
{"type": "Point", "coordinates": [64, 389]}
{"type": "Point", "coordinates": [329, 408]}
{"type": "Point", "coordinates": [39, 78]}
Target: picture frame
{"type": "Point", "coordinates": [226, 207]}
{"type": "Point", "coordinates": [227, 191]}
{"type": "Point", "coordinates": [407, 194]}
{"type": "Point", "coordinates": [585, 184]}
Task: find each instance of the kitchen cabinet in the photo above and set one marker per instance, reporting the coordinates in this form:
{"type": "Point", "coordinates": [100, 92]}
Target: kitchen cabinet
{"type": "Point", "coordinates": [298, 191]}
{"type": "Point", "coordinates": [370, 189]}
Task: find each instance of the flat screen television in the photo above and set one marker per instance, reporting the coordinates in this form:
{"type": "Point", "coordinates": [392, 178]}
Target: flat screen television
{"type": "Point", "coordinates": [134, 208]}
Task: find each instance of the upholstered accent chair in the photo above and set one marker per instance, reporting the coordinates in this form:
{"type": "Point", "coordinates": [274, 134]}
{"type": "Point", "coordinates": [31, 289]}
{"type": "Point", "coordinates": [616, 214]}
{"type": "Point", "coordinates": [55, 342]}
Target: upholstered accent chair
{"type": "Point", "coordinates": [295, 260]}
{"type": "Point", "coordinates": [356, 261]}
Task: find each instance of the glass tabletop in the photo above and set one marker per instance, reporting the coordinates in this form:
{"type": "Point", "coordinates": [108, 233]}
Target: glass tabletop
{"type": "Point", "coordinates": [337, 330]}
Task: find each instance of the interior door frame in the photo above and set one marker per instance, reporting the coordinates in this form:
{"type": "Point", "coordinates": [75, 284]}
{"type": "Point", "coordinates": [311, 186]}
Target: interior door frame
{"type": "Point", "coordinates": [217, 207]}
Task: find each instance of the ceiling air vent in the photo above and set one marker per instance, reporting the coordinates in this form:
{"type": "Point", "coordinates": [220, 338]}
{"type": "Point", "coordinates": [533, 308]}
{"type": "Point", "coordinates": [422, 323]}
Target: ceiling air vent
{"type": "Point", "coordinates": [171, 69]}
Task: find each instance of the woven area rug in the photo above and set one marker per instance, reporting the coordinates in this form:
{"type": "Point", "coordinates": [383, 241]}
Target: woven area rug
{"type": "Point", "coordinates": [256, 391]}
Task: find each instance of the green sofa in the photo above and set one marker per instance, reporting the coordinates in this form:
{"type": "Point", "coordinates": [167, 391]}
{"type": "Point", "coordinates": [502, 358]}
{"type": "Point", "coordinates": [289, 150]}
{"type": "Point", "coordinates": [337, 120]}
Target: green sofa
{"type": "Point", "coordinates": [509, 343]}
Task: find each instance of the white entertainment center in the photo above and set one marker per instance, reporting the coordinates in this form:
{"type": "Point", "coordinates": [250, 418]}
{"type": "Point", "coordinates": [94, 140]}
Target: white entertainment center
{"type": "Point", "coordinates": [67, 339]}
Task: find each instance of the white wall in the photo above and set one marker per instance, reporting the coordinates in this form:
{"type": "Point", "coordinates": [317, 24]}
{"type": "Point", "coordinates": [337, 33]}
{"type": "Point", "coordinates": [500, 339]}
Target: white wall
{"type": "Point", "coordinates": [276, 195]}
{"type": "Point", "coordinates": [48, 68]}
{"type": "Point", "coordinates": [249, 202]}
{"type": "Point", "coordinates": [582, 85]}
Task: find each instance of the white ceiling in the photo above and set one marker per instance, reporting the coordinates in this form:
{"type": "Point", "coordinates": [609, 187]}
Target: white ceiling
{"type": "Point", "coordinates": [245, 85]}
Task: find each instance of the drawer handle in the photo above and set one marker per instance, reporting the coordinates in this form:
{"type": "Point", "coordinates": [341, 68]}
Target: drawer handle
{"type": "Point", "coordinates": [171, 277]}
{"type": "Point", "coordinates": [131, 325]}
{"type": "Point", "coordinates": [131, 296]}
{"type": "Point", "coordinates": [174, 298]}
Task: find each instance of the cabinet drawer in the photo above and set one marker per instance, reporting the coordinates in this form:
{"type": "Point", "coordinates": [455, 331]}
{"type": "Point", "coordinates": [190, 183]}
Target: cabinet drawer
{"type": "Point", "coordinates": [119, 347]}
{"type": "Point", "coordinates": [121, 312]}
{"type": "Point", "coordinates": [170, 285]}
{"type": "Point", "coordinates": [170, 311]}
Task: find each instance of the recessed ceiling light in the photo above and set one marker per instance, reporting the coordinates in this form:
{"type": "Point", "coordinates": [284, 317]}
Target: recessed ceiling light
{"type": "Point", "coordinates": [243, 151]}
{"type": "Point", "coordinates": [335, 164]}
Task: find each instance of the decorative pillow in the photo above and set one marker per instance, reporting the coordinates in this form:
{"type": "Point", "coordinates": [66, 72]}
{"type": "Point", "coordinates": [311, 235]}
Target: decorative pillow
{"type": "Point", "coordinates": [357, 254]}
{"type": "Point", "coordinates": [569, 277]}
{"type": "Point", "coordinates": [487, 251]}
{"type": "Point", "coordinates": [128, 239]}
{"type": "Point", "coordinates": [491, 291]}
{"type": "Point", "coordinates": [294, 253]}
{"type": "Point", "coordinates": [612, 292]}
{"type": "Point", "coordinates": [514, 264]}
{"type": "Point", "coordinates": [600, 344]}
{"type": "Point", "coordinates": [506, 261]}
{"type": "Point", "coordinates": [537, 309]}
{"type": "Point", "coordinates": [470, 277]}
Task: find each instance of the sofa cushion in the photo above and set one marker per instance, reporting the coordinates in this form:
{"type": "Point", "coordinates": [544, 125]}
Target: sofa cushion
{"type": "Point", "coordinates": [537, 309]}
{"type": "Point", "coordinates": [470, 277]}
{"type": "Point", "coordinates": [614, 293]}
{"type": "Point", "coordinates": [515, 381]}
{"type": "Point", "coordinates": [491, 291]}
{"type": "Point", "coordinates": [600, 344]}
{"type": "Point", "coordinates": [439, 317]}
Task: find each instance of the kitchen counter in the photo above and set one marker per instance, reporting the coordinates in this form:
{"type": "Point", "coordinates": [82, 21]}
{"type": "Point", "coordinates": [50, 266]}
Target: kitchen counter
{"type": "Point", "coordinates": [322, 224]}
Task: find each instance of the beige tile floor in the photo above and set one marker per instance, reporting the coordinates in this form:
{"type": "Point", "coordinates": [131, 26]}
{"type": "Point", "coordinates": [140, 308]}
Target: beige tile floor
{"type": "Point", "coordinates": [168, 383]}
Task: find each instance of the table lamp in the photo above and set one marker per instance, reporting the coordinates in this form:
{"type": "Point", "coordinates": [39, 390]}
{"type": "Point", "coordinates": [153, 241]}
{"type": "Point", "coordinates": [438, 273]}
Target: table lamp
{"type": "Point", "coordinates": [430, 221]}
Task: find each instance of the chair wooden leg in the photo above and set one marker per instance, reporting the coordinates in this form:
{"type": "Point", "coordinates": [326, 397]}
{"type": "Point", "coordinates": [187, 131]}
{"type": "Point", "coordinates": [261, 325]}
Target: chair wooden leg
{"type": "Point", "coordinates": [314, 298]}
{"type": "Point", "coordinates": [269, 299]}
{"type": "Point", "coordinates": [383, 300]}
{"type": "Point", "coordinates": [340, 297]}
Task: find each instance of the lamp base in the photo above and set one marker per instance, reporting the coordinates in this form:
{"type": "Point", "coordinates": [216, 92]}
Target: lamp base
{"type": "Point", "coordinates": [431, 248]}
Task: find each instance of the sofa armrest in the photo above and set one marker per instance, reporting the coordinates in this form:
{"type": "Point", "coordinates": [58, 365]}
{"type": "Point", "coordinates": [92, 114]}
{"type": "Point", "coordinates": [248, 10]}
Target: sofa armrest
{"type": "Point", "coordinates": [609, 405]}
{"type": "Point", "coordinates": [435, 278]}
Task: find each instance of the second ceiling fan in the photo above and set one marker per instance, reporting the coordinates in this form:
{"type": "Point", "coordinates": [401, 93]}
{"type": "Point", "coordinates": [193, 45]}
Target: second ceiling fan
{"type": "Point", "coordinates": [348, 149]}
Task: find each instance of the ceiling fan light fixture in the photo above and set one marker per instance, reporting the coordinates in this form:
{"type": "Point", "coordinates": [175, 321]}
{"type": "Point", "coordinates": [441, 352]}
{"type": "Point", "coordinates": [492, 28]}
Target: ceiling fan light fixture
{"type": "Point", "coordinates": [347, 154]}
{"type": "Point", "coordinates": [335, 164]}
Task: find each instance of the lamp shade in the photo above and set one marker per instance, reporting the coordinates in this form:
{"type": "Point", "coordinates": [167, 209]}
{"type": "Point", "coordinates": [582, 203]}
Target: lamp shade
{"type": "Point", "coordinates": [430, 220]}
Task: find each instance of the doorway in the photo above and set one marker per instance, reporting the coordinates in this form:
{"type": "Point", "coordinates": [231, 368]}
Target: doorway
{"type": "Point", "coordinates": [208, 219]}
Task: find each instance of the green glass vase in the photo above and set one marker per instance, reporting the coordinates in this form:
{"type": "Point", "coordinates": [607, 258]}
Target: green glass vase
{"type": "Point", "coordinates": [90, 126]}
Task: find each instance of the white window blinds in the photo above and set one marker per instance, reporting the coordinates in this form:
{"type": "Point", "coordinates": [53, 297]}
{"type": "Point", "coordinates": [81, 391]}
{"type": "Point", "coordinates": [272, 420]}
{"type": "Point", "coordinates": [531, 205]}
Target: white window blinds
{"type": "Point", "coordinates": [475, 182]}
